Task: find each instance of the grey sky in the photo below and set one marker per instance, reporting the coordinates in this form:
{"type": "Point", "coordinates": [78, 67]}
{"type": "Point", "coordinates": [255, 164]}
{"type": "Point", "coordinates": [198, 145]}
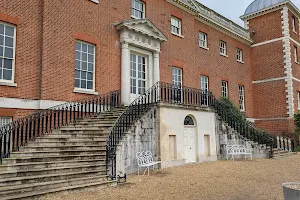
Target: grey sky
{"type": "Point", "coordinates": [232, 9]}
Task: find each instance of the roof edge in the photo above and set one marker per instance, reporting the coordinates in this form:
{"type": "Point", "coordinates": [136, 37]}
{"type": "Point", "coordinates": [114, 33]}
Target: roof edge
{"type": "Point", "coordinates": [251, 15]}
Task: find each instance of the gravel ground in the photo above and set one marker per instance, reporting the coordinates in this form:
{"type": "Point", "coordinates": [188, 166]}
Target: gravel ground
{"type": "Point", "coordinates": [259, 179]}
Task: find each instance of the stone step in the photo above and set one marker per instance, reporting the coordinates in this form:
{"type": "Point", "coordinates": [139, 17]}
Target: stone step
{"type": "Point", "coordinates": [53, 170]}
{"type": "Point", "coordinates": [32, 159]}
{"type": "Point", "coordinates": [44, 186]}
{"type": "Point", "coordinates": [68, 143]}
{"type": "Point", "coordinates": [49, 177]}
{"type": "Point", "coordinates": [280, 152]}
{"type": "Point", "coordinates": [80, 128]}
{"type": "Point", "coordinates": [94, 130]}
{"type": "Point", "coordinates": [279, 156]}
{"type": "Point", "coordinates": [57, 152]}
{"type": "Point", "coordinates": [107, 115]}
{"type": "Point", "coordinates": [68, 139]}
{"type": "Point", "coordinates": [42, 165]}
{"type": "Point", "coordinates": [79, 135]}
{"type": "Point", "coordinates": [91, 125]}
{"type": "Point", "coordinates": [31, 195]}
{"type": "Point", "coordinates": [103, 121]}
{"type": "Point", "coordinates": [31, 148]}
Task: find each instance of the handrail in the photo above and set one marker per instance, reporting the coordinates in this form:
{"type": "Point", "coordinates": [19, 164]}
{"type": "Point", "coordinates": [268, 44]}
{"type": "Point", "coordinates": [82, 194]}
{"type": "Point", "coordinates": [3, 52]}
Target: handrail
{"type": "Point", "coordinates": [184, 96]}
{"type": "Point", "coordinates": [19, 132]}
{"type": "Point", "coordinates": [137, 108]}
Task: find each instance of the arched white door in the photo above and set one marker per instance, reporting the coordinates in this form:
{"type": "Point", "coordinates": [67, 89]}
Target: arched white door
{"type": "Point", "coordinates": [189, 140]}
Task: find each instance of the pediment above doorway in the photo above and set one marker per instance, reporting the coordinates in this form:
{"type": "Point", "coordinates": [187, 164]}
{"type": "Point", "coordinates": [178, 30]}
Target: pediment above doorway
{"type": "Point", "coordinates": [141, 32]}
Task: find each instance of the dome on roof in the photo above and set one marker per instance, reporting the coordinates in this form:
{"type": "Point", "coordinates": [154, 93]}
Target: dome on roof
{"type": "Point", "coordinates": [260, 5]}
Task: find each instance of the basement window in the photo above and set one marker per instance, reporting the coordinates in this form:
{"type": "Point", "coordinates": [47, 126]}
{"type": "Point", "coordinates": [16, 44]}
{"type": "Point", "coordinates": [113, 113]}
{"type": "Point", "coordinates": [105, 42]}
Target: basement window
{"type": "Point", "coordinates": [5, 120]}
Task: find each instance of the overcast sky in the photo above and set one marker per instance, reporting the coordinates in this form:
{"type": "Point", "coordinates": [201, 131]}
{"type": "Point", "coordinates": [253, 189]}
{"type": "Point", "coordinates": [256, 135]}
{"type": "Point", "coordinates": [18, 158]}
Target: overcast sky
{"type": "Point", "coordinates": [232, 9]}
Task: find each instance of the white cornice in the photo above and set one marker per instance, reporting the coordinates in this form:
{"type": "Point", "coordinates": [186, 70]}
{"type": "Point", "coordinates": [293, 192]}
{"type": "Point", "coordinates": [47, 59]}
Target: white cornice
{"type": "Point", "coordinates": [214, 20]}
{"type": "Point", "coordinates": [263, 11]}
{"type": "Point", "coordinates": [148, 29]}
{"type": "Point", "coordinates": [273, 8]}
{"type": "Point", "coordinates": [28, 103]}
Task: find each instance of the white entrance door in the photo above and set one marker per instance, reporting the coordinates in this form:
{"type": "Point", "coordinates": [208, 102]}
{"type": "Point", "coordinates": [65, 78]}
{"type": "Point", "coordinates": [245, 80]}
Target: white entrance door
{"type": "Point", "coordinates": [190, 144]}
{"type": "Point", "coordinates": [138, 75]}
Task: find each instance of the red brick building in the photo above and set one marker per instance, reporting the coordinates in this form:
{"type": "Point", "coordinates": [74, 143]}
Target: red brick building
{"type": "Point", "coordinates": [52, 52]}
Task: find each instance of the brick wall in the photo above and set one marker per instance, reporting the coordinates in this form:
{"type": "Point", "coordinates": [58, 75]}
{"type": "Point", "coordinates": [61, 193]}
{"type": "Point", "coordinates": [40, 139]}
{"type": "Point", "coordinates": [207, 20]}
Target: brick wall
{"type": "Point", "coordinates": [67, 21]}
{"type": "Point", "coordinates": [266, 27]}
{"type": "Point", "coordinates": [26, 16]}
{"type": "Point", "coordinates": [277, 127]}
{"type": "Point", "coordinates": [15, 113]}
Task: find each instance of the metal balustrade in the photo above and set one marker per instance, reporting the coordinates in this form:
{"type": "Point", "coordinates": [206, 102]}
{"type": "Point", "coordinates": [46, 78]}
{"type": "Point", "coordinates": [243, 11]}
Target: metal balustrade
{"type": "Point", "coordinates": [21, 131]}
{"type": "Point", "coordinates": [18, 133]}
{"type": "Point", "coordinates": [181, 96]}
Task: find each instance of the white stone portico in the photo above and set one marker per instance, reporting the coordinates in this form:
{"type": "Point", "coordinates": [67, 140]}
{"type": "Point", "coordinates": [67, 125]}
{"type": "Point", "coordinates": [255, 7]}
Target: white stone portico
{"type": "Point", "coordinates": [141, 42]}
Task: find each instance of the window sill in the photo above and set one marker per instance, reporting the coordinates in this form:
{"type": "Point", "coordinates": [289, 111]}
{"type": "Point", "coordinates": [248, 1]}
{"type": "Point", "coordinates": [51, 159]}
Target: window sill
{"type": "Point", "coordinates": [134, 17]}
{"type": "Point", "coordinates": [224, 55]}
{"type": "Point", "coordinates": [82, 91]}
{"type": "Point", "coordinates": [204, 48]}
{"type": "Point", "coordinates": [297, 63]}
{"type": "Point", "coordinates": [240, 61]}
{"type": "Point", "coordinates": [10, 84]}
{"type": "Point", "coordinates": [95, 1]}
{"type": "Point", "coordinates": [181, 36]}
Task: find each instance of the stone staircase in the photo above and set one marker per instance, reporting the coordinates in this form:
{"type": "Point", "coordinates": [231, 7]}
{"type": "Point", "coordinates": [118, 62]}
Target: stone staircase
{"type": "Point", "coordinates": [73, 157]}
{"type": "Point", "coordinates": [279, 153]}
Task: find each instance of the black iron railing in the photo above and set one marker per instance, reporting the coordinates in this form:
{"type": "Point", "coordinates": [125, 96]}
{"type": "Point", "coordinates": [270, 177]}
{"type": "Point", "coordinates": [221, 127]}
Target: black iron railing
{"type": "Point", "coordinates": [184, 96]}
{"type": "Point", "coordinates": [21, 131]}
{"type": "Point", "coordinates": [132, 113]}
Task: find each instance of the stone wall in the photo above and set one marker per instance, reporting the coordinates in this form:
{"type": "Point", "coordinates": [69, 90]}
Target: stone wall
{"type": "Point", "coordinates": [143, 136]}
{"type": "Point", "coordinates": [225, 135]}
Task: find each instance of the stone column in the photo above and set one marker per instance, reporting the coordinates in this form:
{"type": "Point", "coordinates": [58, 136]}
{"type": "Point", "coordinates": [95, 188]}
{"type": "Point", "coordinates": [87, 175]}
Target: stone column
{"type": "Point", "coordinates": [156, 66]}
{"type": "Point", "coordinates": [156, 74]}
{"type": "Point", "coordinates": [125, 76]}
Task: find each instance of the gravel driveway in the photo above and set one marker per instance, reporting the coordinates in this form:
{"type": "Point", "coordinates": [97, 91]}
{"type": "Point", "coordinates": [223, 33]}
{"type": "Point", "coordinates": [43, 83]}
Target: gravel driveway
{"type": "Point", "coordinates": [259, 179]}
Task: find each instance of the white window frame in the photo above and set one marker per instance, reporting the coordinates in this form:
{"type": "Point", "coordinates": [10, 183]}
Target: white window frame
{"type": "Point", "coordinates": [203, 40]}
{"type": "Point", "coordinates": [294, 24]}
{"type": "Point", "coordinates": [204, 83]}
{"type": "Point", "coordinates": [12, 81]}
{"type": "Point", "coordinates": [178, 27]}
{"type": "Point", "coordinates": [298, 100]}
{"type": "Point", "coordinates": [224, 89]}
{"type": "Point", "coordinates": [143, 11]}
{"type": "Point", "coordinates": [296, 54]}
{"type": "Point", "coordinates": [136, 77]}
{"type": "Point", "coordinates": [223, 48]}
{"type": "Point", "coordinates": [239, 55]}
{"type": "Point", "coordinates": [177, 76]}
{"type": "Point", "coordinates": [242, 97]}
{"type": "Point", "coordinates": [79, 89]}
{"type": "Point", "coordinates": [5, 120]}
